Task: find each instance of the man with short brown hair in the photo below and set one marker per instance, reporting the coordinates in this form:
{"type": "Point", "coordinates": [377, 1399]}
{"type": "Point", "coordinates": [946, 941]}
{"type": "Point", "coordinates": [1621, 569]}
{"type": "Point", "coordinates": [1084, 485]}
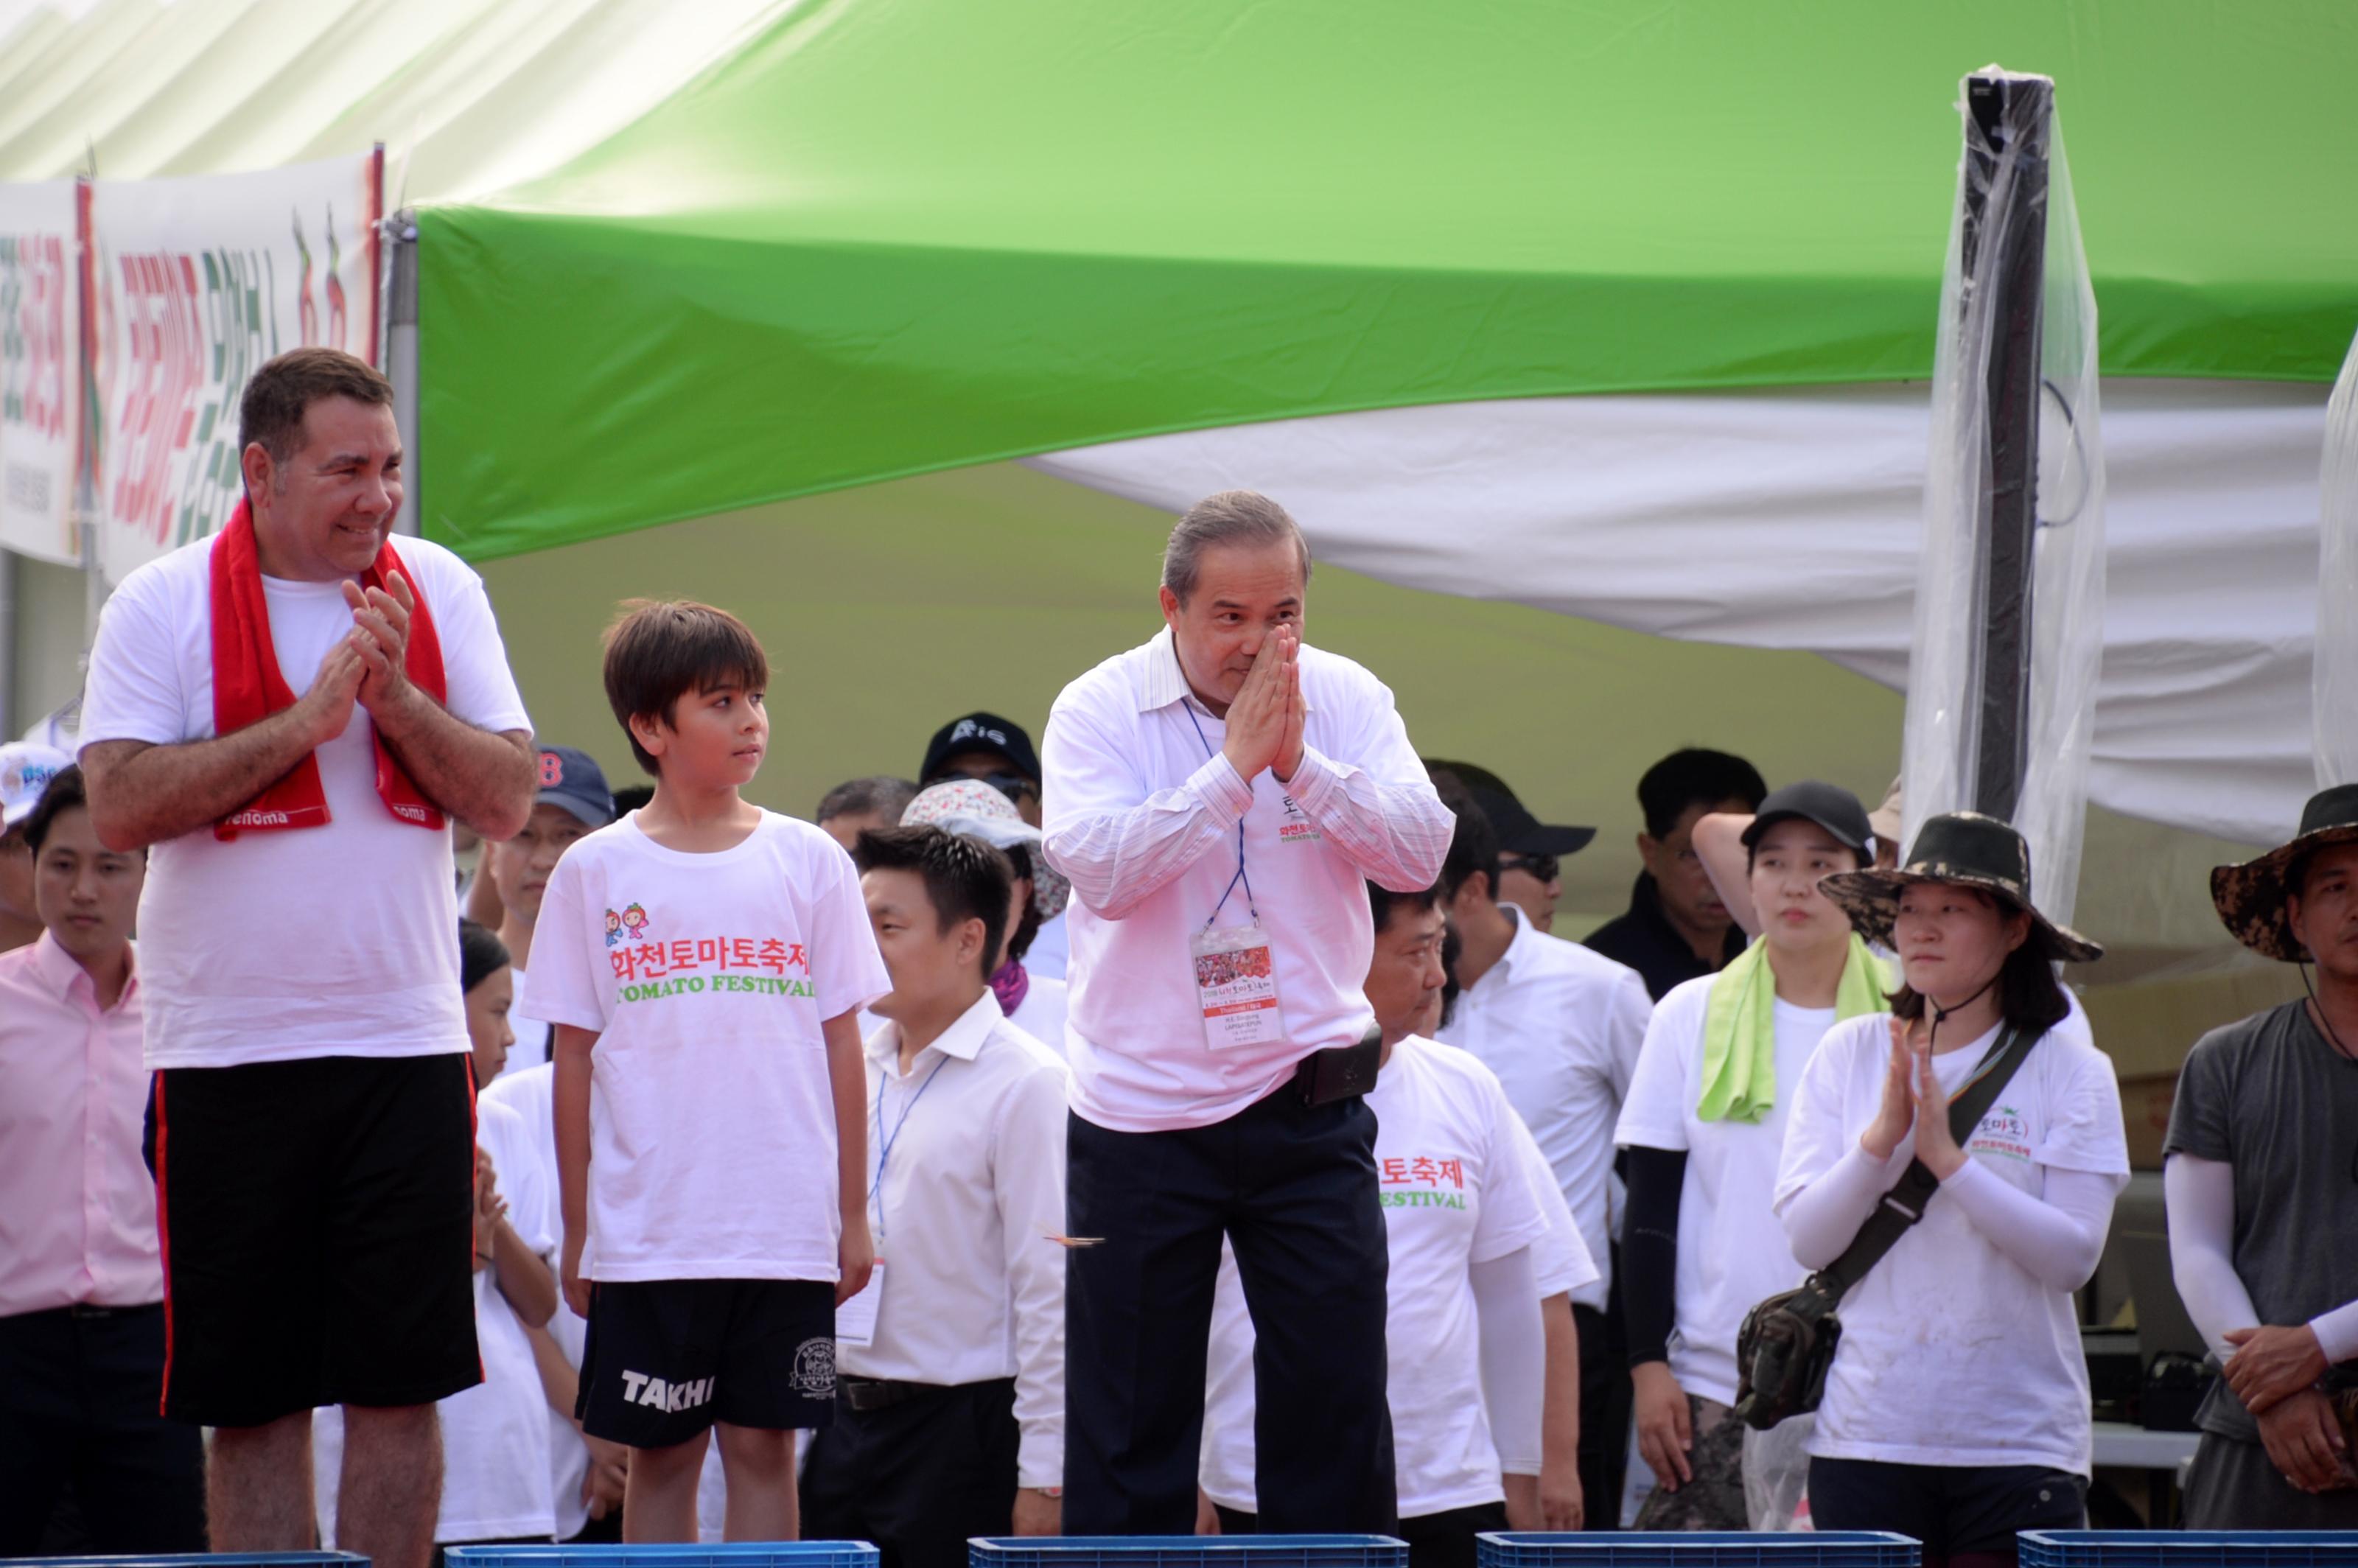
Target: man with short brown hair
{"type": "Point", "coordinates": [312, 1110]}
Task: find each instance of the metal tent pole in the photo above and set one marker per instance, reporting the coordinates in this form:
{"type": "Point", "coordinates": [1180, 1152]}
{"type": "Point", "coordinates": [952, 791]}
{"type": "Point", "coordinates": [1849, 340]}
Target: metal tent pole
{"type": "Point", "coordinates": [397, 242]}
{"type": "Point", "coordinates": [2006, 208]}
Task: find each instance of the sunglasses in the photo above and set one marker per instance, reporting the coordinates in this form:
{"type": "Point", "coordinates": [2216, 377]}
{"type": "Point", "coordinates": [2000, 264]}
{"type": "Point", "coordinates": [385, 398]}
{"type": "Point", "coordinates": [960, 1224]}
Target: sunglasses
{"type": "Point", "coordinates": [1543, 867]}
{"type": "Point", "coordinates": [1014, 786]}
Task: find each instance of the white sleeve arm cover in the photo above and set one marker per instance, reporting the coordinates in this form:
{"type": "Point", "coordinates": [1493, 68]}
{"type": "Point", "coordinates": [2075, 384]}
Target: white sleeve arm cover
{"type": "Point", "coordinates": [1514, 1357]}
{"type": "Point", "coordinates": [2055, 1239]}
{"type": "Point", "coordinates": [1822, 1218]}
{"type": "Point", "coordinates": [2200, 1197]}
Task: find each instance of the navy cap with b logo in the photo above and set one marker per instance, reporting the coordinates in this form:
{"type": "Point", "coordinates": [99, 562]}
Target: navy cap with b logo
{"type": "Point", "coordinates": [573, 779]}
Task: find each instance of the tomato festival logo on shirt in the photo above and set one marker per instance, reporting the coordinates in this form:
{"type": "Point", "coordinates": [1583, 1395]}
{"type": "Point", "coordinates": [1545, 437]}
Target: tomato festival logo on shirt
{"type": "Point", "coordinates": [2004, 1131]}
{"type": "Point", "coordinates": [629, 925]}
{"type": "Point", "coordinates": [692, 966]}
{"type": "Point", "coordinates": [1297, 827]}
{"type": "Point", "coordinates": [1409, 1172]}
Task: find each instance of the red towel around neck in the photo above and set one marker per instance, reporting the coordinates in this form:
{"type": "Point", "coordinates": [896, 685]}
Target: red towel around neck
{"type": "Point", "coordinates": [248, 687]}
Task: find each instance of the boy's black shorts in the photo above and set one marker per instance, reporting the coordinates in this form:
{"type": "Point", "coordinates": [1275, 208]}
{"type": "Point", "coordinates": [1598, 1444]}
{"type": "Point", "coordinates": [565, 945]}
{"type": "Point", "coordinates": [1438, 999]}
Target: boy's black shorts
{"type": "Point", "coordinates": [319, 1234]}
{"type": "Point", "coordinates": [667, 1359]}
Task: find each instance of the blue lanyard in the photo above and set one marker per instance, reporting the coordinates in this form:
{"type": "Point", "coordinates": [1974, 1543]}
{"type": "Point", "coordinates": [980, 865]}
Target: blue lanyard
{"type": "Point", "coordinates": [1250, 906]}
{"type": "Point", "coordinates": [884, 1144]}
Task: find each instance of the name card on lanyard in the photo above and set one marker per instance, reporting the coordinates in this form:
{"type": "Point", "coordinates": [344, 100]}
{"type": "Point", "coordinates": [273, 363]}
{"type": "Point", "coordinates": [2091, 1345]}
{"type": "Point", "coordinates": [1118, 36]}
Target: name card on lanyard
{"type": "Point", "coordinates": [1235, 974]}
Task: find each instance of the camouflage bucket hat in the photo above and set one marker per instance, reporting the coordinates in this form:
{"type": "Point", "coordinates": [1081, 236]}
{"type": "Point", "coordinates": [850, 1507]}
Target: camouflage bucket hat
{"type": "Point", "coordinates": [2250, 897]}
{"type": "Point", "coordinates": [1965, 848]}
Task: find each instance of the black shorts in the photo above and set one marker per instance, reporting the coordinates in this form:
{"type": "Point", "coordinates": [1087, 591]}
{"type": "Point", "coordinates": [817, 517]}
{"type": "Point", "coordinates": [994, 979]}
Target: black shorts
{"type": "Point", "coordinates": [317, 1226]}
{"type": "Point", "coordinates": [667, 1359]}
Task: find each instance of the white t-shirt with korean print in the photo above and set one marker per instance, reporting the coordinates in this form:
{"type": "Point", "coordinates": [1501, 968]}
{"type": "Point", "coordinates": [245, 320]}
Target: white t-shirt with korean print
{"type": "Point", "coordinates": [708, 976]}
{"type": "Point", "coordinates": [1952, 1354]}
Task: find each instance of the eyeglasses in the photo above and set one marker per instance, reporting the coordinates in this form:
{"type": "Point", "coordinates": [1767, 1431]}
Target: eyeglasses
{"type": "Point", "coordinates": [1543, 867]}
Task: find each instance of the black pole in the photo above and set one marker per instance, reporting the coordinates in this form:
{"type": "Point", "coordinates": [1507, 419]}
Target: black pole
{"type": "Point", "coordinates": [2006, 207]}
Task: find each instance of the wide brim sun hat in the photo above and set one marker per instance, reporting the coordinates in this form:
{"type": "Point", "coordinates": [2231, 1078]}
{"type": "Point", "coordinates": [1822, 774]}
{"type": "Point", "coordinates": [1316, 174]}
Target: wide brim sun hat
{"type": "Point", "coordinates": [1965, 849]}
{"type": "Point", "coordinates": [2251, 897]}
{"type": "Point", "coordinates": [974, 807]}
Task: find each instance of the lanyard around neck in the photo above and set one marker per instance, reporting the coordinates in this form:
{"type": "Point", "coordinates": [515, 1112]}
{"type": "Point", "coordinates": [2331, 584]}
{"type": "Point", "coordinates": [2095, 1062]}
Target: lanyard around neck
{"type": "Point", "coordinates": [884, 1144]}
{"type": "Point", "coordinates": [1250, 908]}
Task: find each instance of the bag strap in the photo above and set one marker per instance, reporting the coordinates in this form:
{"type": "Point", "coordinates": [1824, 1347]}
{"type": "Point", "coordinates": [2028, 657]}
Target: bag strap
{"type": "Point", "coordinates": [1903, 1205]}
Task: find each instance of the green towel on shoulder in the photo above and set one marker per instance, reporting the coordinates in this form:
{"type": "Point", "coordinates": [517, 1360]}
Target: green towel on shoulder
{"type": "Point", "coordinates": [1739, 1031]}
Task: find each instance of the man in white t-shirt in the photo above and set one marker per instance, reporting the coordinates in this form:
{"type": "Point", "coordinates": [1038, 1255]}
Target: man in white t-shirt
{"type": "Point", "coordinates": [572, 803]}
{"type": "Point", "coordinates": [1221, 1040]}
{"type": "Point", "coordinates": [297, 951]}
{"type": "Point", "coordinates": [1561, 1027]}
{"type": "Point", "coordinates": [1466, 1223]}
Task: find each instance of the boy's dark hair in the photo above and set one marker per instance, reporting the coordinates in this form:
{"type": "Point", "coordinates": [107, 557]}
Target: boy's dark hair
{"type": "Point", "coordinates": [271, 410]}
{"type": "Point", "coordinates": [883, 795]}
{"type": "Point", "coordinates": [965, 878]}
{"type": "Point", "coordinates": [1474, 846]}
{"type": "Point", "coordinates": [2030, 997]}
{"type": "Point", "coordinates": [1383, 903]}
{"type": "Point", "coordinates": [630, 797]}
{"type": "Point", "coordinates": [482, 955]}
{"type": "Point", "coordinates": [64, 791]}
{"type": "Point", "coordinates": [660, 650]}
{"type": "Point", "coordinates": [1695, 777]}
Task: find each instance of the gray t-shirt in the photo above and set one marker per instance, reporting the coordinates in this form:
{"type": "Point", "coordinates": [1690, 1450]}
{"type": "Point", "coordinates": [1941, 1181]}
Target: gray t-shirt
{"type": "Point", "coordinates": [2271, 1096]}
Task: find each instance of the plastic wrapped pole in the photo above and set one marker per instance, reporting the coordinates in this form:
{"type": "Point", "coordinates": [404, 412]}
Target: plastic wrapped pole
{"type": "Point", "coordinates": [2335, 679]}
{"type": "Point", "coordinates": [2010, 585]}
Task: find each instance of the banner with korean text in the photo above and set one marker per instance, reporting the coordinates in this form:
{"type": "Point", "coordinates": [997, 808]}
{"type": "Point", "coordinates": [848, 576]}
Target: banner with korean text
{"type": "Point", "coordinates": [40, 367]}
{"type": "Point", "coordinates": [198, 281]}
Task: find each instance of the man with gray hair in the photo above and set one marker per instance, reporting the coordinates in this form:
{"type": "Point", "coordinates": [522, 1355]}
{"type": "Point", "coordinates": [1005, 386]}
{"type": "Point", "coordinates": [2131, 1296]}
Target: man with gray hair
{"type": "Point", "coordinates": [1218, 798]}
{"type": "Point", "coordinates": [850, 809]}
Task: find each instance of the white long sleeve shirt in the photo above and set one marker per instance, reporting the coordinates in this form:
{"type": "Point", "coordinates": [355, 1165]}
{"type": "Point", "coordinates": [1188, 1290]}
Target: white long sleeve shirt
{"type": "Point", "coordinates": [966, 1155]}
{"type": "Point", "coordinates": [1142, 814]}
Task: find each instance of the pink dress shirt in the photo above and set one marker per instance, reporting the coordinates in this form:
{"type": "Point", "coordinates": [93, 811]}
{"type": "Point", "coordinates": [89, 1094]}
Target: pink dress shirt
{"type": "Point", "coordinates": [77, 1206]}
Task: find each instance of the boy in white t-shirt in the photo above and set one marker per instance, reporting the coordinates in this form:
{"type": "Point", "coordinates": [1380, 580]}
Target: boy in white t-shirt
{"type": "Point", "coordinates": [704, 962]}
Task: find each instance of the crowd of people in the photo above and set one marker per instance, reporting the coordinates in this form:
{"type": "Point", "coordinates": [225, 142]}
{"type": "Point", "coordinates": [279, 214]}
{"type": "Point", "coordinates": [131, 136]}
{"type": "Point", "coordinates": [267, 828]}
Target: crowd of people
{"type": "Point", "coordinates": [867, 1177]}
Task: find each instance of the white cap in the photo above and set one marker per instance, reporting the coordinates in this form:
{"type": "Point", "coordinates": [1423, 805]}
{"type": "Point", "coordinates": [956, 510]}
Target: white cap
{"type": "Point", "coordinates": [26, 769]}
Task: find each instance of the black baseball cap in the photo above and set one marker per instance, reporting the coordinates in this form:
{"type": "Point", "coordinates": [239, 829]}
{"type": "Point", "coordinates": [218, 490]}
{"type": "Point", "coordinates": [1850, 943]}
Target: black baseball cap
{"type": "Point", "coordinates": [980, 733]}
{"type": "Point", "coordinates": [1831, 807]}
{"type": "Point", "coordinates": [573, 779]}
{"type": "Point", "coordinates": [1520, 833]}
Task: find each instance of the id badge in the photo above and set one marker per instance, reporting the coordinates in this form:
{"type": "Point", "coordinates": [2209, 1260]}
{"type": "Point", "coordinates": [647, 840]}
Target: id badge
{"type": "Point", "coordinates": [855, 1320]}
{"type": "Point", "coordinates": [1236, 983]}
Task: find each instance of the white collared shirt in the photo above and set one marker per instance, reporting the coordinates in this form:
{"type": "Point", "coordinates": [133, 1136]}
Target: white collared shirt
{"type": "Point", "coordinates": [963, 1209]}
{"type": "Point", "coordinates": [1142, 812]}
{"type": "Point", "coordinates": [1562, 1026]}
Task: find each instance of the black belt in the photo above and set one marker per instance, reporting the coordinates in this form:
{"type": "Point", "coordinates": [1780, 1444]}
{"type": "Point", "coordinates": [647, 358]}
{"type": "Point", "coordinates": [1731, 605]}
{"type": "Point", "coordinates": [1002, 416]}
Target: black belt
{"type": "Point", "coordinates": [869, 1394]}
{"type": "Point", "coordinates": [94, 1310]}
{"type": "Point", "coordinates": [1342, 1072]}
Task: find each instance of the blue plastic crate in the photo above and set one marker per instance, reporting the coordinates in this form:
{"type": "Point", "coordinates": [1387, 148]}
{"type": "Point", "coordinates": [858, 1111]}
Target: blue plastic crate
{"type": "Point", "coordinates": [748, 1555]}
{"type": "Point", "coordinates": [1698, 1549]}
{"type": "Point", "coordinates": [200, 1560]}
{"type": "Point", "coordinates": [2189, 1548]}
{"type": "Point", "coordinates": [1190, 1551]}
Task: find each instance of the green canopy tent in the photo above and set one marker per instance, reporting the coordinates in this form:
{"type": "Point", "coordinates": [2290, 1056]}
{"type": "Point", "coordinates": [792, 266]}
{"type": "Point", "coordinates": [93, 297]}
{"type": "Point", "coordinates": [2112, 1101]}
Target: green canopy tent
{"type": "Point", "coordinates": [795, 307]}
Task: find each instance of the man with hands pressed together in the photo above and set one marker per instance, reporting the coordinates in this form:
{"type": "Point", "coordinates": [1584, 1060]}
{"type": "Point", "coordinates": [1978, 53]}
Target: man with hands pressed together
{"type": "Point", "coordinates": [1215, 797]}
{"type": "Point", "coordinates": [311, 823]}
{"type": "Point", "coordinates": [2259, 1170]}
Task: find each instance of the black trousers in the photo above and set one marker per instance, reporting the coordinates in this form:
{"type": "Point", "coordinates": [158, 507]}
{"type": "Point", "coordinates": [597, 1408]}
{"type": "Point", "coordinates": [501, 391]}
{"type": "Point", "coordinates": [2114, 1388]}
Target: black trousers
{"type": "Point", "coordinates": [1444, 1539]}
{"type": "Point", "coordinates": [917, 1478]}
{"type": "Point", "coordinates": [1963, 1511]}
{"type": "Point", "coordinates": [1605, 1397]}
{"type": "Point", "coordinates": [1293, 1187]}
{"type": "Point", "coordinates": [80, 1396]}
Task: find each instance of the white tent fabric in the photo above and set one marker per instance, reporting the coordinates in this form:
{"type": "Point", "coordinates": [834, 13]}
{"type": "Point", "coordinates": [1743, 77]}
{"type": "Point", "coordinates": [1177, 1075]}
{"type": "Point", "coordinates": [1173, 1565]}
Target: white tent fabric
{"type": "Point", "coordinates": [1790, 520]}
